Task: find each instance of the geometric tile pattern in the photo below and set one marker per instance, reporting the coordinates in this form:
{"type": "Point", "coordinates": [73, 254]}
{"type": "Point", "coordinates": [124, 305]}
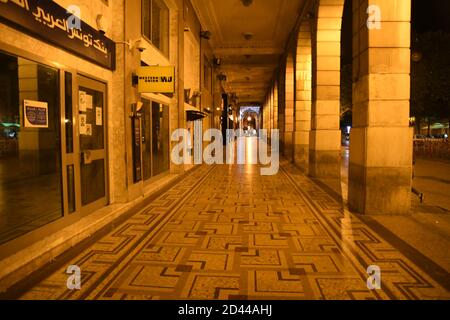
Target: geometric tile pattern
{"type": "Point", "coordinates": [226, 232]}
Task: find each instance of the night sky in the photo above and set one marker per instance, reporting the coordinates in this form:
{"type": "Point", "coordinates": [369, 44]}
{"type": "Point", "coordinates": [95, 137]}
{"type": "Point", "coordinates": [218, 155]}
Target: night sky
{"type": "Point", "coordinates": [426, 15]}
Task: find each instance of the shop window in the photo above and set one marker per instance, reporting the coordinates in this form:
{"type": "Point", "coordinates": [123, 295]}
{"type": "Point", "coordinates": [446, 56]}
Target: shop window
{"type": "Point", "coordinates": [155, 24]}
{"type": "Point", "coordinates": [155, 138]}
{"type": "Point", "coordinates": [30, 161]}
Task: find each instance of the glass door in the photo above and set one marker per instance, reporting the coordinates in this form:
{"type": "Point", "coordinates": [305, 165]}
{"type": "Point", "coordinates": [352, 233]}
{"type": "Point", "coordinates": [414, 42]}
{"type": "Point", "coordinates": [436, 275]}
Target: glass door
{"type": "Point", "coordinates": [92, 144]}
{"type": "Point", "coordinates": [160, 138]}
{"type": "Point", "coordinates": [155, 138]}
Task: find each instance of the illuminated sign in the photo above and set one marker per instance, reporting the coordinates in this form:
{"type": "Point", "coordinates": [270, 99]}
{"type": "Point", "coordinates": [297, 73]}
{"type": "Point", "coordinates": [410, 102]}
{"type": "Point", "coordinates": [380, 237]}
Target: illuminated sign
{"type": "Point", "coordinates": [52, 23]}
{"type": "Point", "coordinates": [156, 79]}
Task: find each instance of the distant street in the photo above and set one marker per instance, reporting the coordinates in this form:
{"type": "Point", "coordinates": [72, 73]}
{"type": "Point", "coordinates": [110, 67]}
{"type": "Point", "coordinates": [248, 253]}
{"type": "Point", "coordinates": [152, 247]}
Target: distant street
{"type": "Point", "coordinates": [432, 177]}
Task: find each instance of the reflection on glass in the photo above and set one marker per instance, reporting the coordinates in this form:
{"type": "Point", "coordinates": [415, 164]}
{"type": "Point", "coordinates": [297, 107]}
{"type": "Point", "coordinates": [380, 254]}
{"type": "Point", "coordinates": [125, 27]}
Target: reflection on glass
{"type": "Point", "coordinates": [155, 24]}
{"type": "Point", "coordinates": [30, 164]}
{"type": "Point", "coordinates": [92, 181]}
{"type": "Point", "coordinates": [156, 21]}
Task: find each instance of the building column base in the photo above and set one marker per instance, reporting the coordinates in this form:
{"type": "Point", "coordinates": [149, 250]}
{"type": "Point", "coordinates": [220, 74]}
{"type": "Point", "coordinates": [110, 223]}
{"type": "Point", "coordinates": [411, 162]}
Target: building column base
{"type": "Point", "coordinates": [324, 164]}
{"type": "Point", "coordinates": [301, 157]}
{"type": "Point", "coordinates": [288, 146]}
{"type": "Point", "coordinates": [379, 190]}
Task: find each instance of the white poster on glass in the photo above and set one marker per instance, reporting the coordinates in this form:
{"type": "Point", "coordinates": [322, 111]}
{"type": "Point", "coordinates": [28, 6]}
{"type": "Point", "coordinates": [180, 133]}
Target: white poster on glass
{"type": "Point", "coordinates": [89, 129]}
{"type": "Point", "coordinates": [35, 114]}
{"type": "Point", "coordinates": [82, 124]}
{"type": "Point", "coordinates": [98, 116]}
{"type": "Point", "coordinates": [82, 101]}
{"type": "Point", "coordinates": [89, 102]}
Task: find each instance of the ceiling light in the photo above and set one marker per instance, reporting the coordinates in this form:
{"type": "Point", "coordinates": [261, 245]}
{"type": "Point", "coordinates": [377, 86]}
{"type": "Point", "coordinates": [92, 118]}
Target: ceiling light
{"type": "Point", "coordinates": [416, 56]}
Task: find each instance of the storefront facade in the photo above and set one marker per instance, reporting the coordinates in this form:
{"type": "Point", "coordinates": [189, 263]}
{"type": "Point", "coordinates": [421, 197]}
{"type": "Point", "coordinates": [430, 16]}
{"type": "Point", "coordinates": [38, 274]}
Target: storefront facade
{"type": "Point", "coordinates": [57, 97]}
{"type": "Point", "coordinates": [72, 145]}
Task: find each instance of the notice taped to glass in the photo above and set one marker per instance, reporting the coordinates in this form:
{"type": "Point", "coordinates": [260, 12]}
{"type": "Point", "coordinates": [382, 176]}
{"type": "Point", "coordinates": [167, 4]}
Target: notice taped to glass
{"type": "Point", "coordinates": [35, 114]}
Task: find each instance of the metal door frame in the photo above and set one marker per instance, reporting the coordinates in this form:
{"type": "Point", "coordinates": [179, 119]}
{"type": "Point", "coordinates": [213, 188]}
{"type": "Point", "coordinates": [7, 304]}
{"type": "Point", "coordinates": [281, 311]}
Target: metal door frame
{"type": "Point", "coordinates": [89, 83]}
{"type": "Point", "coordinates": [67, 159]}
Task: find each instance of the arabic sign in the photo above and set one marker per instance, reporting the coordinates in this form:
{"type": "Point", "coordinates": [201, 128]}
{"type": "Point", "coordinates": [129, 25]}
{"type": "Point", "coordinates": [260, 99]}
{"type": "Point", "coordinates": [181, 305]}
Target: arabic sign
{"type": "Point", "coordinates": [35, 114]}
{"type": "Point", "coordinates": [156, 79]}
{"type": "Point", "coordinates": [49, 21]}
{"type": "Point", "coordinates": [137, 142]}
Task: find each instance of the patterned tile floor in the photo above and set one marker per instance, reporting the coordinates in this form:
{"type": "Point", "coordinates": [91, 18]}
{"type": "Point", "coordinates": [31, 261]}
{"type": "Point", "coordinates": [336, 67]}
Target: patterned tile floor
{"type": "Point", "coordinates": [226, 232]}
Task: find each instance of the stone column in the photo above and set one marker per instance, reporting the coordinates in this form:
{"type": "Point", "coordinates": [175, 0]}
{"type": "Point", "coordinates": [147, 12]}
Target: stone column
{"type": "Point", "coordinates": [281, 106]}
{"type": "Point", "coordinates": [325, 137]}
{"type": "Point", "coordinates": [289, 104]}
{"type": "Point", "coordinates": [266, 114]}
{"type": "Point", "coordinates": [118, 111]}
{"type": "Point", "coordinates": [275, 106]}
{"type": "Point", "coordinates": [269, 132]}
{"type": "Point", "coordinates": [303, 97]}
{"type": "Point", "coordinates": [380, 170]}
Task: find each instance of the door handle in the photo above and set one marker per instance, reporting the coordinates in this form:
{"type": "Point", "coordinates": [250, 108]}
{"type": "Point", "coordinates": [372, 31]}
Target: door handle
{"type": "Point", "coordinates": [86, 157]}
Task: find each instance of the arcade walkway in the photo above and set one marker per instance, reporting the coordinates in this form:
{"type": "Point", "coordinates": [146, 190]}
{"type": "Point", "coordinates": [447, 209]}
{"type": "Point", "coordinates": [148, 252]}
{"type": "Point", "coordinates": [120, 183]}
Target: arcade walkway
{"type": "Point", "coordinates": [226, 232]}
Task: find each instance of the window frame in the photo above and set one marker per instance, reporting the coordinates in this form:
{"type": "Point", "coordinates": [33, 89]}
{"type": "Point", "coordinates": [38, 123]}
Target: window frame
{"type": "Point", "coordinates": [148, 38]}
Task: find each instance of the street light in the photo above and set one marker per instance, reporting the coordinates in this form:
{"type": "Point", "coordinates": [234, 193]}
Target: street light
{"type": "Point", "coordinates": [416, 56]}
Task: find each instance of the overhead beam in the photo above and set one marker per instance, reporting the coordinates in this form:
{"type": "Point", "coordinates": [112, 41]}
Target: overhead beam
{"type": "Point", "coordinates": [220, 52]}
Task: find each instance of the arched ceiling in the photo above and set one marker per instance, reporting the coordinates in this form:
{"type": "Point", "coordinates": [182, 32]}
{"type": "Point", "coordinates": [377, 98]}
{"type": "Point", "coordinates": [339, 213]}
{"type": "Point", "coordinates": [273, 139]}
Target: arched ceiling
{"type": "Point", "coordinates": [248, 64]}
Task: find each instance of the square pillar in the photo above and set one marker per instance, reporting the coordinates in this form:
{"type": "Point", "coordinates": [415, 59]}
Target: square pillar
{"type": "Point", "coordinates": [381, 148]}
{"type": "Point", "coordinates": [325, 137]}
{"type": "Point", "coordinates": [303, 75]}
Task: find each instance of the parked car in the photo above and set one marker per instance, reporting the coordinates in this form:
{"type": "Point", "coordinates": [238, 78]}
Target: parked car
{"type": "Point", "coordinates": [441, 136]}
